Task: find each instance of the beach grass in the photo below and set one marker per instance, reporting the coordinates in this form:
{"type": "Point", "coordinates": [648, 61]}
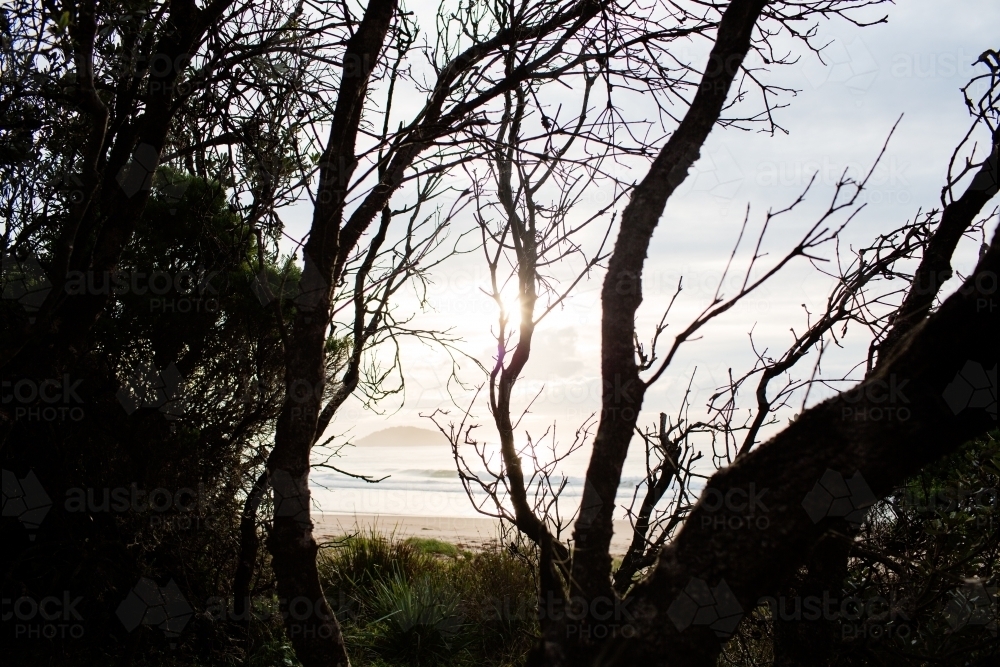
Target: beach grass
{"type": "Point", "coordinates": [434, 547]}
{"type": "Point", "coordinates": [420, 601]}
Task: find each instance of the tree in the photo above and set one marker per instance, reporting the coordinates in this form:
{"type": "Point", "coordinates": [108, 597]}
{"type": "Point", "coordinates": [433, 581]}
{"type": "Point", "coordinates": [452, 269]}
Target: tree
{"type": "Point", "coordinates": [579, 573]}
{"type": "Point", "coordinates": [103, 96]}
{"type": "Point", "coordinates": [180, 396]}
{"type": "Point", "coordinates": [753, 562]}
{"type": "Point", "coordinates": [176, 83]}
{"type": "Point", "coordinates": [498, 48]}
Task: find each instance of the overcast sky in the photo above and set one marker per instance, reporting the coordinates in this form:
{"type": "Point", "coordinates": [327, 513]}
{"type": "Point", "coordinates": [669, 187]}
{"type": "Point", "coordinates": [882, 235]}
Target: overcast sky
{"type": "Point", "coordinates": [913, 65]}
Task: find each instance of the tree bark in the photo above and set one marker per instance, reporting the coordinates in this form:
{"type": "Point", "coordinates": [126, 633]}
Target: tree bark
{"type": "Point", "coordinates": [828, 564]}
{"type": "Point", "coordinates": [249, 544]}
{"type": "Point", "coordinates": [621, 295]}
{"type": "Point", "coordinates": [309, 620]}
{"type": "Point", "coordinates": [935, 266]}
{"type": "Point", "coordinates": [827, 437]}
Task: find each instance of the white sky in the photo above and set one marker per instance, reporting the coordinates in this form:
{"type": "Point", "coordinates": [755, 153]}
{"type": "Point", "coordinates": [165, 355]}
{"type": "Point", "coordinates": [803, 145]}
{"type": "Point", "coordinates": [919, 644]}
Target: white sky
{"type": "Point", "coordinates": [913, 65]}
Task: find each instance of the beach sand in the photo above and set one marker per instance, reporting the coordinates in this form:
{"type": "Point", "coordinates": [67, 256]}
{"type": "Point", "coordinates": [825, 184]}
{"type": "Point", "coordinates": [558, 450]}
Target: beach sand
{"type": "Point", "coordinates": [464, 532]}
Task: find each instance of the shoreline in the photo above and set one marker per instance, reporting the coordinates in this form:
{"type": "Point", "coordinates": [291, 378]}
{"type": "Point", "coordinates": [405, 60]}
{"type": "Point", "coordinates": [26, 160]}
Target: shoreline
{"type": "Point", "coordinates": [470, 533]}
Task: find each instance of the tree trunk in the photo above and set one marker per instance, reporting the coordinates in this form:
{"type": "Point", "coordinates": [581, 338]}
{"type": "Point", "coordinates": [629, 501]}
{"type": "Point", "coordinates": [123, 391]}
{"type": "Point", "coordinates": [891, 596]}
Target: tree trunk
{"type": "Point", "coordinates": [621, 295]}
{"type": "Point", "coordinates": [828, 564]}
{"type": "Point", "coordinates": [309, 620]}
{"type": "Point", "coordinates": [249, 544]}
{"type": "Point", "coordinates": [752, 563]}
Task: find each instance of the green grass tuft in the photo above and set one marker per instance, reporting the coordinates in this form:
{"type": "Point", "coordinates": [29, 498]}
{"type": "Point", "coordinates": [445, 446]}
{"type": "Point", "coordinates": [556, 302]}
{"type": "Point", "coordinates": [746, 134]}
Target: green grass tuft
{"type": "Point", "coordinates": [433, 547]}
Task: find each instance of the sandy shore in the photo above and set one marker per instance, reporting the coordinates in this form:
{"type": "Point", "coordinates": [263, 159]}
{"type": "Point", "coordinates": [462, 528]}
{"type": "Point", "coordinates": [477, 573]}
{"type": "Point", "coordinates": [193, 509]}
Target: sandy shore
{"type": "Point", "coordinates": [464, 532]}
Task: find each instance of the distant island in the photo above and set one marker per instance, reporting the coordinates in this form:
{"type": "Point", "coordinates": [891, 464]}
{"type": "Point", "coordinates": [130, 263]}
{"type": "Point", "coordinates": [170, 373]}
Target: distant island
{"type": "Point", "coordinates": [402, 436]}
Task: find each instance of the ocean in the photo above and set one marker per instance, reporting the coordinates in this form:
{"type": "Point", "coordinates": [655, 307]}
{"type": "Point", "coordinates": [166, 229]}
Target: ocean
{"type": "Point", "coordinates": [422, 481]}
